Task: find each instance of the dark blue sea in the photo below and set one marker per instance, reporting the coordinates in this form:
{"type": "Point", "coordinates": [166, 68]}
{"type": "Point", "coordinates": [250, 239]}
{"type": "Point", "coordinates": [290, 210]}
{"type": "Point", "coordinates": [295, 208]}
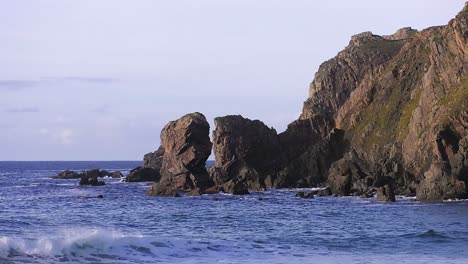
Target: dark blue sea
{"type": "Point", "coordinates": [44, 220]}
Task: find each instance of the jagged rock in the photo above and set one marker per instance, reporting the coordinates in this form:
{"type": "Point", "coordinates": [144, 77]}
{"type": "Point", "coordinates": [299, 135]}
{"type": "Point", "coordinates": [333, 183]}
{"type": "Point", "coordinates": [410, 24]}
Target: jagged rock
{"type": "Point", "coordinates": [309, 147]}
{"type": "Point", "coordinates": [141, 174]}
{"type": "Point", "coordinates": [154, 160]}
{"type": "Point", "coordinates": [245, 150]}
{"type": "Point", "coordinates": [187, 146]}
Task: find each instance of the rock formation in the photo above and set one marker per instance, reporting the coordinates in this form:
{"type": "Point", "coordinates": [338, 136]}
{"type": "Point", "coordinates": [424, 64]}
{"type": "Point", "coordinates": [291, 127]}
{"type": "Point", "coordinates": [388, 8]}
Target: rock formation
{"type": "Point", "coordinates": [187, 146]}
{"type": "Point", "coordinates": [245, 152]}
{"type": "Point", "coordinates": [91, 177]}
{"type": "Point", "coordinates": [386, 107]}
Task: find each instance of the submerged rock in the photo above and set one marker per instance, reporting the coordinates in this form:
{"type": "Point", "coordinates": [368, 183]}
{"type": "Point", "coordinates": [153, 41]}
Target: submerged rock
{"type": "Point", "coordinates": [305, 195]}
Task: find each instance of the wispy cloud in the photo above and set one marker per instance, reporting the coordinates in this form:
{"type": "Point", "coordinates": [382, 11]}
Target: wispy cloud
{"type": "Point", "coordinates": [103, 109]}
{"type": "Point", "coordinates": [19, 110]}
{"type": "Point", "coordinates": [63, 136]}
{"type": "Point", "coordinates": [89, 79]}
{"type": "Point", "coordinates": [15, 85]}
{"type": "Point", "coordinates": [86, 79]}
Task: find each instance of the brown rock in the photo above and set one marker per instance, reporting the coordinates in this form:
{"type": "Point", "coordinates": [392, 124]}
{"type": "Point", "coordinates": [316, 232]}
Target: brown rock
{"type": "Point", "coordinates": [187, 146]}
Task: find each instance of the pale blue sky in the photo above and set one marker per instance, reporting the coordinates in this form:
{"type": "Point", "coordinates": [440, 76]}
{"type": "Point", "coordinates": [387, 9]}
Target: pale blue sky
{"type": "Point", "coordinates": [97, 80]}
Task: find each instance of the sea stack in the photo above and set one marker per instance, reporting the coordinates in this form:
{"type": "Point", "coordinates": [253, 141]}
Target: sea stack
{"type": "Point", "coordinates": [187, 146]}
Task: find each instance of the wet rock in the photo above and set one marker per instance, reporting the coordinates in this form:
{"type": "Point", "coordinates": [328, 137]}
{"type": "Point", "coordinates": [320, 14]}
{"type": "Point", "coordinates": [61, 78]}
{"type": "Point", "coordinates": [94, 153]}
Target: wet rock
{"type": "Point", "coordinates": [305, 195]}
{"type": "Point", "coordinates": [235, 187]}
{"type": "Point", "coordinates": [116, 174]}
{"type": "Point", "coordinates": [385, 194]}
{"type": "Point", "coordinates": [325, 192]}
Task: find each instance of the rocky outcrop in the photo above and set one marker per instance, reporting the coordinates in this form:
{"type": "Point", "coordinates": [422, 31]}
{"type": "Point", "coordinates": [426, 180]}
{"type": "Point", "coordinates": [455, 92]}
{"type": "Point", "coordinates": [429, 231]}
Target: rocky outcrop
{"type": "Point", "coordinates": [142, 174]}
{"type": "Point", "coordinates": [68, 174]}
{"type": "Point", "coordinates": [187, 146]}
{"type": "Point", "coordinates": [91, 177]}
{"type": "Point", "coordinates": [402, 102]}
{"type": "Point", "coordinates": [245, 151]}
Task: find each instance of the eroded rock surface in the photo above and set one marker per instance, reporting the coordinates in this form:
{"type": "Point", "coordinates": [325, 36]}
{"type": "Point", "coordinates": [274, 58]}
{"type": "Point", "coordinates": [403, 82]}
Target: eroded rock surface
{"type": "Point", "coordinates": [187, 146]}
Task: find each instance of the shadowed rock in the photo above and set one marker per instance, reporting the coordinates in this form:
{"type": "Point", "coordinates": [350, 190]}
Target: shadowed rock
{"type": "Point", "coordinates": [245, 151]}
{"type": "Point", "coordinates": [141, 174]}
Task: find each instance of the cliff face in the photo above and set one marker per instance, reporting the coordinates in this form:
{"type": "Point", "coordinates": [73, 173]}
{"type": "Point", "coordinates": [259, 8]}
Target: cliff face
{"type": "Point", "coordinates": [402, 101]}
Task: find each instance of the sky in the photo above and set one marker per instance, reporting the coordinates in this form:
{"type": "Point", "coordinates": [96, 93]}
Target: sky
{"type": "Point", "coordinates": [98, 80]}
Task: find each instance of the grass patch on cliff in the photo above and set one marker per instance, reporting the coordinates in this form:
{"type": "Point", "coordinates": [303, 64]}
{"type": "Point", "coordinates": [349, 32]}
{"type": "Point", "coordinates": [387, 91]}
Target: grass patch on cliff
{"type": "Point", "coordinates": [406, 114]}
{"type": "Point", "coordinates": [380, 120]}
{"type": "Point", "coordinates": [457, 100]}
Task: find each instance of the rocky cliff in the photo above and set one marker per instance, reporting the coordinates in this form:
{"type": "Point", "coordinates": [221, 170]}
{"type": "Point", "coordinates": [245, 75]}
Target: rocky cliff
{"type": "Point", "coordinates": [388, 114]}
{"type": "Point", "coordinates": [402, 101]}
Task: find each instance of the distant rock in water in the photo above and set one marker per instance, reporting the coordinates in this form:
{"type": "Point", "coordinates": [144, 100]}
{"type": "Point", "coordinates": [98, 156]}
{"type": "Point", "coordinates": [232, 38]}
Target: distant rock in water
{"type": "Point", "coordinates": [385, 190]}
{"type": "Point", "coordinates": [90, 179]}
{"type": "Point", "coordinates": [187, 146]}
{"type": "Point", "coordinates": [116, 174]}
{"type": "Point", "coordinates": [142, 174]}
{"type": "Point", "coordinates": [68, 174]}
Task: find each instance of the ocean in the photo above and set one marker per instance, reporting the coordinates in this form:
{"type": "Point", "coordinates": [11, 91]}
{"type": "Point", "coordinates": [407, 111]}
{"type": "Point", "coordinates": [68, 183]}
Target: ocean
{"type": "Point", "coordinates": [44, 220]}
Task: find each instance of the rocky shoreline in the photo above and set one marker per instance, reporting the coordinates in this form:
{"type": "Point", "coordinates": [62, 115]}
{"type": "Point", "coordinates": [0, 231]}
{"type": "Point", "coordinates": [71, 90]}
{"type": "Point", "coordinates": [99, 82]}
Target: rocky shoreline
{"type": "Point", "coordinates": [387, 116]}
